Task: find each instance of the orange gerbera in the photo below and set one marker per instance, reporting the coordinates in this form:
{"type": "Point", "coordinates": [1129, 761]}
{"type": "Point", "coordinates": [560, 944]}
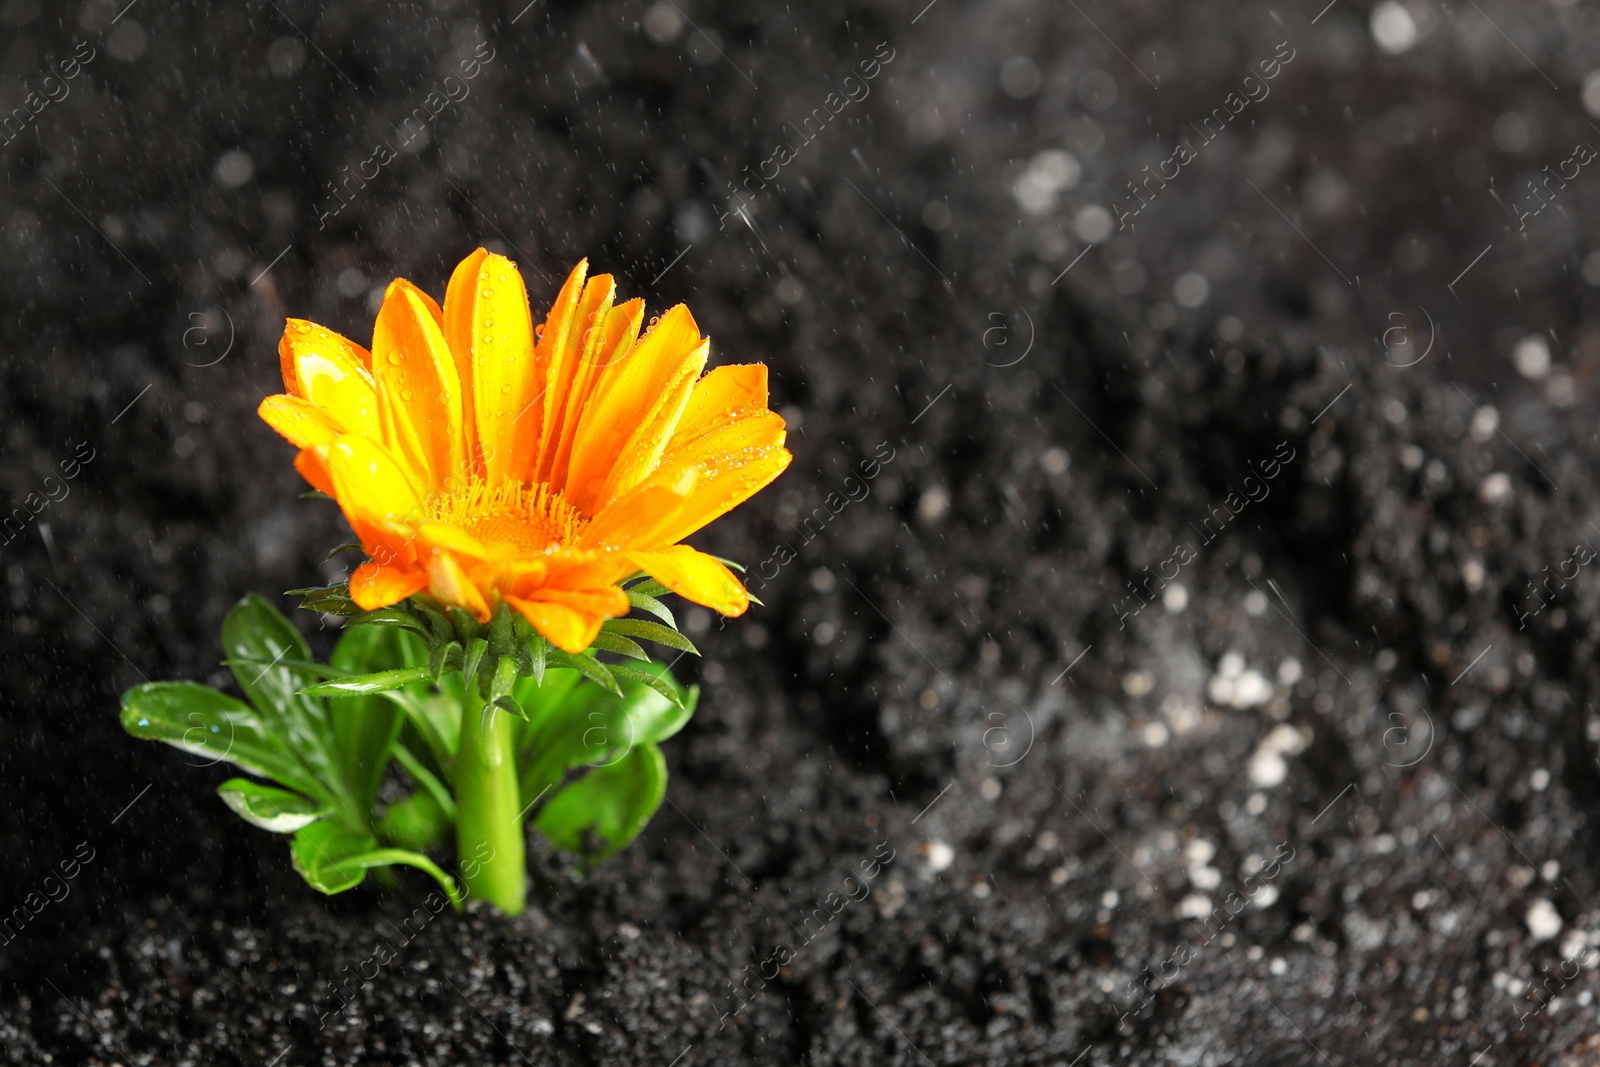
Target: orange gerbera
{"type": "Point", "coordinates": [484, 461]}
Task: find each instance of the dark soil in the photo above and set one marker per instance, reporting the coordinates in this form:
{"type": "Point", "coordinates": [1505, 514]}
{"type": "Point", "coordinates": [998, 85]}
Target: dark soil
{"type": "Point", "coordinates": [950, 673]}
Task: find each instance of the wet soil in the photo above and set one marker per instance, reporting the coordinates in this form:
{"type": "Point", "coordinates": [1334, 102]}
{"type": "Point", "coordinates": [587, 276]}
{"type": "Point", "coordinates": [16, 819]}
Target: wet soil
{"type": "Point", "coordinates": [1180, 677]}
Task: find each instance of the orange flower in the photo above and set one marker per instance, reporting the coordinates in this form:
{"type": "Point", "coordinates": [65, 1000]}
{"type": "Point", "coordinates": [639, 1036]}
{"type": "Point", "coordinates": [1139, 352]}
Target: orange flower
{"type": "Point", "coordinates": [483, 460]}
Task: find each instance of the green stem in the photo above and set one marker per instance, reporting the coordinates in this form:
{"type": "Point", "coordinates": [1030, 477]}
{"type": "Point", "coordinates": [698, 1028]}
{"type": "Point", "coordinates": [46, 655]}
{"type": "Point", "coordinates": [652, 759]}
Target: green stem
{"type": "Point", "coordinates": [489, 838]}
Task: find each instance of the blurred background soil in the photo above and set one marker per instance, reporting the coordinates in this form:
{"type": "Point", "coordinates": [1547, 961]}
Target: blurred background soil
{"type": "Point", "coordinates": [1349, 314]}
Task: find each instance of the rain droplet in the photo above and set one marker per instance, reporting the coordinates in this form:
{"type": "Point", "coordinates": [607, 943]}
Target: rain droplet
{"type": "Point", "coordinates": [395, 359]}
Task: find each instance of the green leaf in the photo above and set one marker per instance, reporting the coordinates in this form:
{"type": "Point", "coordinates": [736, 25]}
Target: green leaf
{"type": "Point", "coordinates": [611, 803]}
{"type": "Point", "coordinates": [365, 727]}
{"type": "Point", "coordinates": [538, 703]}
{"type": "Point", "coordinates": [595, 728]}
{"type": "Point", "coordinates": [348, 546]}
{"type": "Point", "coordinates": [437, 717]}
{"type": "Point", "coordinates": [362, 684]}
{"type": "Point", "coordinates": [645, 602]}
{"type": "Point", "coordinates": [428, 780]}
{"type": "Point", "coordinates": [277, 810]}
{"type": "Point", "coordinates": [611, 642]}
{"type": "Point", "coordinates": [213, 725]}
{"type": "Point", "coordinates": [650, 631]}
{"type": "Point", "coordinates": [417, 822]}
{"type": "Point", "coordinates": [334, 859]}
{"type": "Point", "coordinates": [256, 630]}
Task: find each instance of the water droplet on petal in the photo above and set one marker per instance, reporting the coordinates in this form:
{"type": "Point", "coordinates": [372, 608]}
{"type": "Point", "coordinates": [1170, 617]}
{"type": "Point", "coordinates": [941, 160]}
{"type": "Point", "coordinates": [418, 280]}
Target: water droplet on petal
{"type": "Point", "coordinates": [395, 359]}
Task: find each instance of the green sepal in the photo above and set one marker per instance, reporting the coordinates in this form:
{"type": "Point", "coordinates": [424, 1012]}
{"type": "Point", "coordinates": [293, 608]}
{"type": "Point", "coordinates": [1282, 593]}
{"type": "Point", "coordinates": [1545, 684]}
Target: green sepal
{"type": "Point", "coordinates": [650, 631]}
{"type": "Point", "coordinates": [505, 676]}
{"type": "Point", "coordinates": [587, 666]}
{"type": "Point", "coordinates": [362, 684]}
{"type": "Point", "coordinates": [665, 686]}
{"type": "Point", "coordinates": [538, 650]}
{"type": "Point", "coordinates": [327, 599]}
{"type": "Point", "coordinates": [445, 658]}
{"type": "Point", "coordinates": [333, 859]}
{"type": "Point", "coordinates": [611, 642]}
{"type": "Point", "coordinates": [646, 602]}
{"type": "Point", "coordinates": [443, 632]}
{"type": "Point", "coordinates": [650, 587]}
{"type": "Point", "coordinates": [477, 647]}
{"type": "Point", "coordinates": [466, 627]}
{"type": "Point", "coordinates": [502, 632]}
{"type": "Point", "coordinates": [612, 803]}
{"type": "Point", "coordinates": [270, 808]}
{"type": "Point", "coordinates": [510, 707]}
{"type": "Point", "coordinates": [391, 617]}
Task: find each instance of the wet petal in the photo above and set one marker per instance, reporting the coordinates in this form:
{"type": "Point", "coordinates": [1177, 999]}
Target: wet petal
{"type": "Point", "coordinates": [374, 586]}
{"type": "Point", "coordinates": [695, 576]}
{"type": "Point", "coordinates": [567, 628]}
{"type": "Point", "coordinates": [416, 372]}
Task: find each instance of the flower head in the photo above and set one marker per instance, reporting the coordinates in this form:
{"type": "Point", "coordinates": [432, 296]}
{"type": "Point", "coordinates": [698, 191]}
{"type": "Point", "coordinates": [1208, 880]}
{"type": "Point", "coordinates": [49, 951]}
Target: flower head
{"type": "Point", "coordinates": [483, 461]}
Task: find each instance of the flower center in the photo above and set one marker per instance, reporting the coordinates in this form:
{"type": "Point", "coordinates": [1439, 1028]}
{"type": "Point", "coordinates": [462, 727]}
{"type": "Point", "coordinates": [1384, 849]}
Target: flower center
{"type": "Point", "coordinates": [510, 519]}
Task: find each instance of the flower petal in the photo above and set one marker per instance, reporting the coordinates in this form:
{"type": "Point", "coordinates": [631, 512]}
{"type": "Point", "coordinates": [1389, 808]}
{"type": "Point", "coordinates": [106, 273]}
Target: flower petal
{"type": "Point", "coordinates": [506, 383]}
{"type": "Point", "coordinates": [314, 469]}
{"type": "Point", "coordinates": [558, 340]}
{"type": "Point", "coordinates": [300, 422]}
{"type": "Point", "coordinates": [568, 391]}
{"type": "Point", "coordinates": [374, 586]}
{"type": "Point", "coordinates": [635, 406]}
{"type": "Point", "coordinates": [368, 482]}
{"type": "Point", "coordinates": [631, 521]}
{"type": "Point", "coordinates": [695, 576]}
{"type": "Point", "coordinates": [567, 628]}
{"type": "Point", "coordinates": [302, 336]}
{"type": "Point", "coordinates": [458, 301]}
{"type": "Point", "coordinates": [449, 582]}
{"type": "Point", "coordinates": [453, 539]}
{"type": "Point", "coordinates": [726, 394]}
{"type": "Point", "coordinates": [582, 470]}
{"type": "Point", "coordinates": [714, 473]}
{"type": "Point", "coordinates": [331, 373]}
{"type": "Point", "coordinates": [415, 370]}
